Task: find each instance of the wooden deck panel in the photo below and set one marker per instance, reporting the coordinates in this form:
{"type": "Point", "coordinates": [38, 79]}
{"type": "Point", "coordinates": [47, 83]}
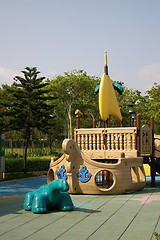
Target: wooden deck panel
{"type": "Point", "coordinates": [127, 216]}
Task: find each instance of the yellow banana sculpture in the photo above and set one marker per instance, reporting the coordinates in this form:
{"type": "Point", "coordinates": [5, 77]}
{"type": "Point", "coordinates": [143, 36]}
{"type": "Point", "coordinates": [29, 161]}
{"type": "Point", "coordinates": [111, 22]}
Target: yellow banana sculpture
{"type": "Point", "coordinates": [108, 104]}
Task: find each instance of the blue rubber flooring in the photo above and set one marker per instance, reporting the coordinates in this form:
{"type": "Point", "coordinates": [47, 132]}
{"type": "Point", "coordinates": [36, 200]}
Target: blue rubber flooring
{"type": "Point", "coordinates": [29, 185]}
{"type": "Point", "coordinates": [157, 179]}
{"type": "Point", "coordinates": [21, 186]}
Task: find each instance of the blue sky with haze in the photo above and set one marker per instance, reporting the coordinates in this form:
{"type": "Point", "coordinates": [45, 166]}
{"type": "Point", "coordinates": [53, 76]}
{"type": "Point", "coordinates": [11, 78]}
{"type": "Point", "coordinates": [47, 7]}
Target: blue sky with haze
{"type": "Point", "coordinates": [62, 35]}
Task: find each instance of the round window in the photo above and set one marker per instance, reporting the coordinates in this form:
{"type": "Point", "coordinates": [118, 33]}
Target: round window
{"type": "Point", "coordinates": [104, 179]}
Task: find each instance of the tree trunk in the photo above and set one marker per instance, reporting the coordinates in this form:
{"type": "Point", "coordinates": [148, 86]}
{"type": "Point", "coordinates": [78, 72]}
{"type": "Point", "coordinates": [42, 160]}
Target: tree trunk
{"type": "Point", "coordinates": [50, 147]}
{"type": "Point", "coordinates": [68, 125]}
{"type": "Point", "coordinates": [25, 155]}
{"type": "Point", "coordinates": [32, 144]}
{"type": "Point", "coordinates": [12, 146]}
{"type": "Point", "coordinates": [69, 122]}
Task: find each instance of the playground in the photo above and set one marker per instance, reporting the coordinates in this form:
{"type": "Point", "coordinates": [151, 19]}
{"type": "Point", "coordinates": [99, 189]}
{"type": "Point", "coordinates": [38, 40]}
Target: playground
{"type": "Point", "coordinates": [115, 196]}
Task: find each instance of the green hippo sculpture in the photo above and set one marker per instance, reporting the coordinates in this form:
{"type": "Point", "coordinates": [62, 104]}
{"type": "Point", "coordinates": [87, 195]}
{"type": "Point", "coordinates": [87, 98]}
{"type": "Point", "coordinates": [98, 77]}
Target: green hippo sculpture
{"type": "Point", "coordinates": [48, 197]}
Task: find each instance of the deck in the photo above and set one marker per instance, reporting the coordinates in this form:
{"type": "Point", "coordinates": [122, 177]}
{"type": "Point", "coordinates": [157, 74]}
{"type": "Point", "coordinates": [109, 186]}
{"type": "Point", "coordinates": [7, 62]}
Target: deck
{"type": "Point", "coordinates": [112, 217]}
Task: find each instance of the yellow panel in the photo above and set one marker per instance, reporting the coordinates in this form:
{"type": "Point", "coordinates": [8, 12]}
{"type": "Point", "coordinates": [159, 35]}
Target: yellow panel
{"type": "Point", "coordinates": [108, 104]}
{"type": "Point", "coordinates": [147, 170]}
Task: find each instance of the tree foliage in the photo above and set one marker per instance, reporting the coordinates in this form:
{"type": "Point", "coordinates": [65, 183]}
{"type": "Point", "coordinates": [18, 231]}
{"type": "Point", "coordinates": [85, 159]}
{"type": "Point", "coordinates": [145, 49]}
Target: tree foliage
{"type": "Point", "coordinates": [139, 102]}
{"type": "Point", "coordinates": [74, 90]}
{"type": "Point", "coordinates": [154, 105]}
{"type": "Point", "coordinates": [27, 105]}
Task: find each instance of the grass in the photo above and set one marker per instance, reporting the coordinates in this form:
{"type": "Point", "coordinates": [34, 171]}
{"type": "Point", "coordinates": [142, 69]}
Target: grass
{"type": "Point", "coordinates": [11, 157]}
{"type": "Point", "coordinates": [36, 152]}
{"type": "Point", "coordinates": [39, 158]}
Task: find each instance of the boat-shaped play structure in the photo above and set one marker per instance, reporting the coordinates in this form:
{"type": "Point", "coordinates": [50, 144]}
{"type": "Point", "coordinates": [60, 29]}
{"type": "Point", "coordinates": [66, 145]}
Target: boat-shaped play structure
{"type": "Point", "coordinates": [105, 160]}
{"type": "Point", "coordinates": [97, 176]}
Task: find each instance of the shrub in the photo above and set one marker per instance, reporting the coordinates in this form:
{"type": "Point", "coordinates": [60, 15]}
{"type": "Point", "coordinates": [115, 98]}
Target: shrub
{"type": "Point", "coordinates": [14, 164]}
{"type": "Point", "coordinates": [38, 165]}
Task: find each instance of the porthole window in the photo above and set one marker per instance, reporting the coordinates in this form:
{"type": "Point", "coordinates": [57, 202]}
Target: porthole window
{"type": "Point", "coordinates": [104, 179]}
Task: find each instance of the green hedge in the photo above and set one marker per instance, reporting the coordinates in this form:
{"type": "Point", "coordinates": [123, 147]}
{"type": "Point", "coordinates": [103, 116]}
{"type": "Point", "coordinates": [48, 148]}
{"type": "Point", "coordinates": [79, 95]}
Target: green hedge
{"type": "Point", "coordinates": [16, 165]}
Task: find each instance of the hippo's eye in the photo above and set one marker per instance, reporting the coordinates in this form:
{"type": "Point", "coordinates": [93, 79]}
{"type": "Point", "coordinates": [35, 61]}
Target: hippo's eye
{"type": "Point", "coordinates": [62, 181]}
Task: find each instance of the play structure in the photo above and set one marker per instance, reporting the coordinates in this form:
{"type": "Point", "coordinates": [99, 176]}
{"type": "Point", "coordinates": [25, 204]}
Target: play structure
{"type": "Point", "coordinates": [94, 175]}
{"type": "Point", "coordinates": [49, 197]}
{"type": "Point", "coordinates": [106, 160]}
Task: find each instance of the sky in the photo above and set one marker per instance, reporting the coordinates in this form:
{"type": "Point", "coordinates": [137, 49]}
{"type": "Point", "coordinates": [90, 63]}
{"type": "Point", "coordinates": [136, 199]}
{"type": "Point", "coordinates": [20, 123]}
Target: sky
{"type": "Point", "coordinates": [58, 36]}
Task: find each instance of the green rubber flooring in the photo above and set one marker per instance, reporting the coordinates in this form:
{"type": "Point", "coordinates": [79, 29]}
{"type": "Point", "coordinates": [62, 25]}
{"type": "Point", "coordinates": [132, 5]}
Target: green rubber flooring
{"type": "Point", "coordinates": [112, 217]}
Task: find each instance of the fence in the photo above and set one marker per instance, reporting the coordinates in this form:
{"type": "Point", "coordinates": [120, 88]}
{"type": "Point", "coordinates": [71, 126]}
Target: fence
{"type": "Point", "coordinates": [35, 148]}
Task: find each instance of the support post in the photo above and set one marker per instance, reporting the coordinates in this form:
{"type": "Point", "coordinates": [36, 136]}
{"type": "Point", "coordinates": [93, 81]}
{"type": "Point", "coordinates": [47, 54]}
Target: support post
{"type": "Point", "coordinates": [153, 167]}
{"type": "Point", "coordinates": [106, 123]}
{"type": "Point", "coordinates": [122, 155]}
{"type": "Point", "coordinates": [77, 122]}
{"type": "Point", "coordinates": [138, 122]}
{"type": "Point", "coordinates": [94, 123]}
{"type": "Point", "coordinates": [65, 122]}
{"type": "Point", "coordinates": [135, 123]}
{"type": "Point", "coordinates": [122, 122]}
{"type": "Point", "coordinates": [78, 114]}
{"type": "Point", "coordinates": [2, 155]}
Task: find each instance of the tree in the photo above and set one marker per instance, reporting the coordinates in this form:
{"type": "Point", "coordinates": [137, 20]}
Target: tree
{"type": "Point", "coordinates": [74, 90]}
{"type": "Point", "coordinates": [140, 104]}
{"type": "Point", "coordinates": [30, 107]}
{"type": "Point", "coordinates": [154, 105]}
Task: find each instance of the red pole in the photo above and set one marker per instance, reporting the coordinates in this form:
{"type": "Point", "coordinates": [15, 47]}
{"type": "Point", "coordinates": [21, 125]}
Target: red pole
{"type": "Point", "coordinates": [94, 123]}
{"type": "Point", "coordinates": [77, 122]}
{"type": "Point", "coordinates": [122, 122]}
{"type": "Point", "coordinates": [78, 115]}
